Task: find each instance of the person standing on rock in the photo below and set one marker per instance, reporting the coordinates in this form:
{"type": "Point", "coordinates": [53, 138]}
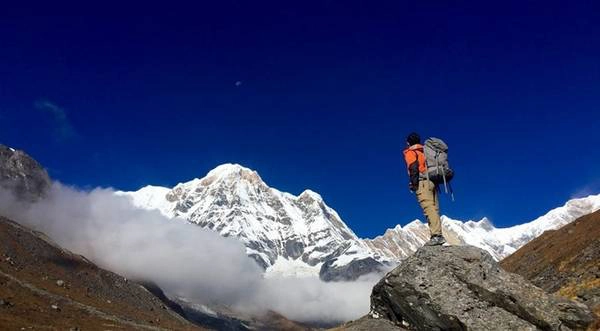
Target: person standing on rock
{"type": "Point", "coordinates": [423, 187]}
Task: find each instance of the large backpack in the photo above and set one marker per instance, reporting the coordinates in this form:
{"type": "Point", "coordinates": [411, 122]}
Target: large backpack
{"type": "Point", "coordinates": [436, 156]}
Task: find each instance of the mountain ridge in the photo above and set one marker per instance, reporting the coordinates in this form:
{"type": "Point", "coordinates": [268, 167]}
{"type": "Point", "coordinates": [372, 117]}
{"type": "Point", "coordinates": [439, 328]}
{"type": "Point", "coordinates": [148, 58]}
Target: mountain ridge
{"type": "Point", "coordinates": [276, 227]}
{"type": "Point", "coordinates": [298, 235]}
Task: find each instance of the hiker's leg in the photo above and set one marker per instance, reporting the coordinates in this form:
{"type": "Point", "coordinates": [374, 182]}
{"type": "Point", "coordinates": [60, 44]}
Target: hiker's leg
{"type": "Point", "coordinates": [427, 198]}
{"type": "Point", "coordinates": [438, 225]}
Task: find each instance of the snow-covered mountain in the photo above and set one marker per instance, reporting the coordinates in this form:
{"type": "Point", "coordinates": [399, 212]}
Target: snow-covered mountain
{"type": "Point", "coordinates": [397, 243]}
{"type": "Point", "coordinates": [301, 235]}
{"type": "Point", "coordinates": [285, 234]}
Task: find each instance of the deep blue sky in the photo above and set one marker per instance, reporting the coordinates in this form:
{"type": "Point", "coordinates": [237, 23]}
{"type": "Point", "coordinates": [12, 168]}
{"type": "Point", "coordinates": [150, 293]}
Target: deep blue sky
{"type": "Point", "coordinates": [313, 95]}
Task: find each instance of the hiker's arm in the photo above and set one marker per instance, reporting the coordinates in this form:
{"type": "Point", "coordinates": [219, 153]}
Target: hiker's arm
{"type": "Point", "coordinates": [413, 173]}
{"type": "Point", "coordinates": [412, 164]}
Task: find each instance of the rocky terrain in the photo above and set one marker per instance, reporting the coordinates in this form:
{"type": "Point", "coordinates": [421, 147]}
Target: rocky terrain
{"type": "Point", "coordinates": [45, 287]}
{"type": "Point", "coordinates": [22, 175]}
{"type": "Point", "coordinates": [565, 261]}
{"type": "Point", "coordinates": [464, 288]}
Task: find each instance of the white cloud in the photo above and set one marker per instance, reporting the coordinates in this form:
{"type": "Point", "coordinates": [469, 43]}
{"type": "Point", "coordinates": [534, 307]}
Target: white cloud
{"type": "Point", "coordinates": [183, 259]}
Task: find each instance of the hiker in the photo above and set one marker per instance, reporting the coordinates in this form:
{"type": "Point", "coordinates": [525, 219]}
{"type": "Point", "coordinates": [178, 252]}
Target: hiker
{"type": "Point", "coordinates": [424, 188]}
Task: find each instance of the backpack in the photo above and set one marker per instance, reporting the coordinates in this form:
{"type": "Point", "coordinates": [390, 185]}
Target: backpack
{"type": "Point", "coordinates": [436, 157]}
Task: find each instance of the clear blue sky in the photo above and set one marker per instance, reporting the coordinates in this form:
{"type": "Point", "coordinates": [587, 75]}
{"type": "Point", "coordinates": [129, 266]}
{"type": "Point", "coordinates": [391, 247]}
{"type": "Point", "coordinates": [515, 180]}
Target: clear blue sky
{"type": "Point", "coordinates": [315, 95]}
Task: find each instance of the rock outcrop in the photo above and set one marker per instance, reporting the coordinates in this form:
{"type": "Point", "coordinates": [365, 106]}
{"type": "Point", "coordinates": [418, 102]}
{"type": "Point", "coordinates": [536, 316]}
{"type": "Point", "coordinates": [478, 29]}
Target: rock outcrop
{"type": "Point", "coordinates": [22, 175]}
{"type": "Point", "coordinates": [464, 288]}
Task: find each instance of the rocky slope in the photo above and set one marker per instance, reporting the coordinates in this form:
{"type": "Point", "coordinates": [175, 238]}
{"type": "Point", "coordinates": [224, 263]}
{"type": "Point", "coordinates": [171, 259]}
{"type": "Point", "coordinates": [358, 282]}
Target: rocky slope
{"type": "Point", "coordinates": [43, 286]}
{"type": "Point", "coordinates": [565, 261]}
{"type": "Point", "coordinates": [464, 288]}
{"type": "Point", "coordinates": [301, 235]}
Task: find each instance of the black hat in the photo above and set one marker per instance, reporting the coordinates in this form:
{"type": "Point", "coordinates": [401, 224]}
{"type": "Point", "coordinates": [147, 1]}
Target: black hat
{"type": "Point", "coordinates": [413, 139]}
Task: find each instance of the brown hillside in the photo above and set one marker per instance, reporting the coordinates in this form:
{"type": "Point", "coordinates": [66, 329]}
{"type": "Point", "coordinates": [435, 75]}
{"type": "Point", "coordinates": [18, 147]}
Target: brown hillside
{"type": "Point", "coordinates": [564, 261]}
{"type": "Point", "coordinates": [45, 287]}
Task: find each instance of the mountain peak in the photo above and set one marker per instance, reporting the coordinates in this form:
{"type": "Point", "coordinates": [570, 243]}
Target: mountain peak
{"type": "Point", "coordinates": [231, 171]}
{"type": "Point", "coordinates": [312, 194]}
{"type": "Point", "coordinates": [7, 147]}
{"type": "Point", "coordinates": [483, 223]}
{"type": "Point", "coordinates": [227, 169]}
{"type": "Point", "coordinates": [22, 175]}
{"type": "Point", "coordinates": [486, 224]}
{"type": "Point", "coordinates": [414, 224]}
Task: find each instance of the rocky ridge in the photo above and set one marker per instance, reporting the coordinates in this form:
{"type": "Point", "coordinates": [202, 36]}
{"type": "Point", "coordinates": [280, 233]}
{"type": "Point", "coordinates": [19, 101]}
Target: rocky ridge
{"type": "Point", "coordinates": [22, 175]}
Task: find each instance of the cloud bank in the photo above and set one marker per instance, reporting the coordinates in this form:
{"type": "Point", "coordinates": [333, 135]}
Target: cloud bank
{"type": "Point", "coordinates": [183, 259]}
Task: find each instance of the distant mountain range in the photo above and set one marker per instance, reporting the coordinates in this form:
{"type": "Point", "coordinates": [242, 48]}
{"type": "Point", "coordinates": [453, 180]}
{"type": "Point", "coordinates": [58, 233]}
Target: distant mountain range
{"type": "Point", "coordinates": [301, 235]}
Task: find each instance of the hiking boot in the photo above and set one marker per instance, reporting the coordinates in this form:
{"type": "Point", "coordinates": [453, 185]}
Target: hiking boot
{"type": "Point", "coordinates": [436, 240]}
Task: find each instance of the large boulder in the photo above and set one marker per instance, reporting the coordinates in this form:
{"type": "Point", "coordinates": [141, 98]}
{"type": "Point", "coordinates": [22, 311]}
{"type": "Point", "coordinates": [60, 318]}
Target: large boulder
{"type": "Point", "coordinates": [463, 288]}
{"type": "Point", "coordinates": [22, 175]}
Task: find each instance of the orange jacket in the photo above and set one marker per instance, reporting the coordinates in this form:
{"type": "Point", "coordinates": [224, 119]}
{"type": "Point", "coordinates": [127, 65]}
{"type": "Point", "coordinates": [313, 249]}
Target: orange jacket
{"type": "Point", "coordinates": [413, 154]}
{"type": "Point", "coordinates": [415, 163]}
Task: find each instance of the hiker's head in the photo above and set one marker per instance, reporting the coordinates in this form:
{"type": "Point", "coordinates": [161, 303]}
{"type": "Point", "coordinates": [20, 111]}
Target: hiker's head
{"type": "Point", "coordinates": [413, 139]}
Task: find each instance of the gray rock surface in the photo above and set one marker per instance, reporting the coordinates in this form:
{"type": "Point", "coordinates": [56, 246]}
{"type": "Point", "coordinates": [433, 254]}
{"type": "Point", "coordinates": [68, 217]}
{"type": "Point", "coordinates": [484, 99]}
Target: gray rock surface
{"type": "Point", "coordinates": [351, 271]}
{"type": "Point", "coordinates": [463, 288]}
{"type": "Point", "coordinates": [21, 174]}
{"type": "Point", "coordinates": [368, 323]}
